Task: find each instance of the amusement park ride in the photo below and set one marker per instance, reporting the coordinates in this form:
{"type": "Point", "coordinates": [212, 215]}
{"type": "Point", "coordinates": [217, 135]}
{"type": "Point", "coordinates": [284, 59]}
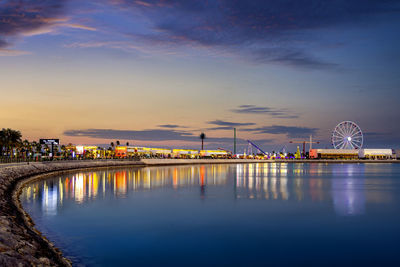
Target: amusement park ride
{"type": "Point", "coordinates": [250, 148]}
{"type": "Point", "coordinates": [346, 135]}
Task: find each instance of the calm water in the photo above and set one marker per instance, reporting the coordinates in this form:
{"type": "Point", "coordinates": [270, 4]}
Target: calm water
{"type": "Point", "coordinates": [251, 214]}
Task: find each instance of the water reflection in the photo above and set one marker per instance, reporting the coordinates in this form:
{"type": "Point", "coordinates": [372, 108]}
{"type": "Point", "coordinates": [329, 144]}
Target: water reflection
{"type": "Point", "coordinates": [348, 191]}
{"type": "Point", "coordinates": [342, 185]}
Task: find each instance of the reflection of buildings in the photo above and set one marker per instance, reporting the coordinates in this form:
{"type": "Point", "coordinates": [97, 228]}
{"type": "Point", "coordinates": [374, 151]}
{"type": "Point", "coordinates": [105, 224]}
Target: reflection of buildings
{"type": "Point", "coordinates": [259, 180]}
{"type": "Point", "coordinates": [347, 190]}
{"type": "Point", "coordinates": [82, 187]}
{"type": "Point", "coordinates": [282, 181]}
{"type": "Point", "coordinates": [49, 198]}
{"type": "Point", "coordinates": [342, 184]}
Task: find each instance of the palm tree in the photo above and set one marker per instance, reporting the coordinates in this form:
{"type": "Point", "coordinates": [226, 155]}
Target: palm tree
{"type": "Point", "coordinates": [64, 151]}
{"type": "Point", "coordinates": [10, 139]}
{"type": "Point", "coordinates": [202, 137]}
{"type": "Point", "coordinates": [26, 147]}
{"type": "Point", "coordinates": [2, 142]}
{"type": "Point", "coordinates": [37, 146]}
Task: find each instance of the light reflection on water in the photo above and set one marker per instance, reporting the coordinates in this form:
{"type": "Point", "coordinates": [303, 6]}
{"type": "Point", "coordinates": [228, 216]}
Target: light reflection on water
{"type": "Point", "coordinates": [284, 191]}
{"type": "Point", "coordinates": [251, 181]}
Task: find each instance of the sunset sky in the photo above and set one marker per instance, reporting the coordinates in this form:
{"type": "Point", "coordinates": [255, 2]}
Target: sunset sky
{"type": "Point", "coordinates": [159, 73]}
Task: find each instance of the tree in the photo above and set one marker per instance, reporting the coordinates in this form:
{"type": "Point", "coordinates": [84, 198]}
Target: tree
{"type": "Point", "coordinates": [202, 137]}
{"type": "Point", "coordinates": [10, 139]}
{"type": "Point", "coordinates": [64, 151]}
{"type": "Point", "coordinates": [2, 142]}
{"type": "Point", "coordinates": [37, 146]}
{"type": "Point", "coordinates": [26, 147]}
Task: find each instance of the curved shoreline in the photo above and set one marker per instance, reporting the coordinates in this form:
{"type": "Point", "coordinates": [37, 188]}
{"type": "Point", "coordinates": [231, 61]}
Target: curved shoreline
{"type": "Point", "coordinates": [22, 244]}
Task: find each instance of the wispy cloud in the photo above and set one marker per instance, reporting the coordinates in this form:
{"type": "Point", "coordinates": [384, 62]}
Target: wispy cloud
{"type": "Point", "coordinates": [125, 46]}
{"type": "Point", "coordinates": [143, 135]}
{"type": "Point", "coordinates": [77, 26]}
{"type": "Point", "coordinates": [274, 112]}
{"type": "Point", "coordinates": [12, 52]}
{"type": "Point", "coordinates": [171, 126]}
{"type": "Point", "coordinates": [24, 16]}
{"type": "Point", "coordinates": [290, 131]}
{"type": "Point", "coordinates": [263, 31]}
{"type": "Point", "coordinates": [227, 125]}
{"type": "Point", "coordinates": [29, 18]}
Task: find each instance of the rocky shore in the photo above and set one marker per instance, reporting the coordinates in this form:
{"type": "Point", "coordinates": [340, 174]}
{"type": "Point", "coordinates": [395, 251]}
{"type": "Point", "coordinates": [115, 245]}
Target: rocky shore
{"type": "Point", "coordinates": [20, 243]}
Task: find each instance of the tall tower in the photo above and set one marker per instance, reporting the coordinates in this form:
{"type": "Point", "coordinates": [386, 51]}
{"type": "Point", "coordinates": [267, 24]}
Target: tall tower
{"type": "Point", "coordinates": [234, 141]}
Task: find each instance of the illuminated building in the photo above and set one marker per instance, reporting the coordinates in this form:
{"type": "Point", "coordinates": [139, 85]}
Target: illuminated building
{"type": "Point", "coordinates": [334, 153]}
{"type": "Point", "coordinates": [121, 151]}
{"type": "Point", "coordinates": [89, 151]}
{"type": "Point", "coordinates": [147, 151]}
{"type": "Point", "coordinates": [375, 153]}
{"type": "Point", "coordinates": [185, 153]}
{"type": "Point", "coordinates": [213, 153]}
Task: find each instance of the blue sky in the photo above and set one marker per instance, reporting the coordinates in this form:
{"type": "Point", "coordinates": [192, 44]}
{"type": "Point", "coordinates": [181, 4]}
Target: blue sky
{"type": "Point", "coordinates": [95, 71]}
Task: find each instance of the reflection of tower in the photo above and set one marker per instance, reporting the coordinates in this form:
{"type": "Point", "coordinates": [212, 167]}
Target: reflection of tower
{"type": "Point", "coordinates": [202, 183]}
{"type": "Point", "coordinates": [348, 192]}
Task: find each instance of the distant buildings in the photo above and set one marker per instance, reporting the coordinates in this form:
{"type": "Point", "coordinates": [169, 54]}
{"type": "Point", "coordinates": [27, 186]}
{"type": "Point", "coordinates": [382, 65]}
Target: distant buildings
{"type": "Point", "coordinates": [364, 153]}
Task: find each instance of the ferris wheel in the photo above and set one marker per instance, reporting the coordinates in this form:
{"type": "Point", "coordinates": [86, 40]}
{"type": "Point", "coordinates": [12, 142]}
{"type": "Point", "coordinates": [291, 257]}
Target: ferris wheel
{"type": "Point", "coordinates": [347, 135]}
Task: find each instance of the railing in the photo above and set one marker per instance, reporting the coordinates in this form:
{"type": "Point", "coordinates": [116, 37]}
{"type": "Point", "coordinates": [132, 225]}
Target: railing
{"type": "Point", "coordinates": [7, 160]}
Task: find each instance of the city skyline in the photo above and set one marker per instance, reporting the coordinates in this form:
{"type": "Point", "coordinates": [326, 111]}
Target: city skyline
{"type": "Point", "coordinates": [161, 72]}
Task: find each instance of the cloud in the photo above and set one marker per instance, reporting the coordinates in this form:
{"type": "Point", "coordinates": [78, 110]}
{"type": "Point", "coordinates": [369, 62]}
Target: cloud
{"type": "Point", "coordinates": [231, 124]}
{"type": "Point", "coordinates": [12, 52]}
{"type": "Point", "coordinates": [290, 131]}
{"type": "Point", "coordinates": [291, 57]}
{"type": "Point", "coordinates": [3, 43]}
{"type": "Point", "coordinates": [226, 125]}
{"type": "Point", "coordinates": [264, 31]}
{"type": "Point", "coordinates": [171, 126]}
{"type": "Point", "coordinates": [172, 136]}
{"type": "Point", "coordinates": [24, 16]}
{"type": "Point", "coordinates": [33, 17]}
{"type": "Point", "coordinates": [77, 26]}
{"type": "Point", "coordinates": [143, 135]}
{"type": "Point", "coordinates": [277, 113]}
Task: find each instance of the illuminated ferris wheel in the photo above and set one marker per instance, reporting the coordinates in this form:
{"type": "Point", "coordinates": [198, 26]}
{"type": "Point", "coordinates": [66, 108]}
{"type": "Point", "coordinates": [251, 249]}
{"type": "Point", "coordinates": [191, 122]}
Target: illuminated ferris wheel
{"type": "Point", "coordinates": [347, 135]}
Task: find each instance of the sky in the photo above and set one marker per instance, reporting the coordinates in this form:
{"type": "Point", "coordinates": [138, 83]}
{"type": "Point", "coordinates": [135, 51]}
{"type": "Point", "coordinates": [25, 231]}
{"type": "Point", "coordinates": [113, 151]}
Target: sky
{"type": "Point", "coordinates": [160, 72]}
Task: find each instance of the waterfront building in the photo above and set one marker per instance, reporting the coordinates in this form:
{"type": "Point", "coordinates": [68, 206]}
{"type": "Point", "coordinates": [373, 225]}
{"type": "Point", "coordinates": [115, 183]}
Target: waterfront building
{"type": "Point", "coordinates": [88, 151]}
{"type": "Point", "coordinates": [334, 153]}
{"type": "Point", "coordinates": [185, 153]}
{"type": "Point", "coordinates": [148, 151]}
{"type": "Point", "coordinates": [367, 153]}
{"type": "Point", "coordinates": [213, 153]}
{"type": "Point", "coordinates": [121, 151]}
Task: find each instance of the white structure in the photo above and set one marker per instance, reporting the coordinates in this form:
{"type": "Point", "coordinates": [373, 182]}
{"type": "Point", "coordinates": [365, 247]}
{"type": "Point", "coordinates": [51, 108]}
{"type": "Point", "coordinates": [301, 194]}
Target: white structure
{"type": "Point", "coordinates": [347, 135]}
{"type": "Point", "coordinates": [375, 153]}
